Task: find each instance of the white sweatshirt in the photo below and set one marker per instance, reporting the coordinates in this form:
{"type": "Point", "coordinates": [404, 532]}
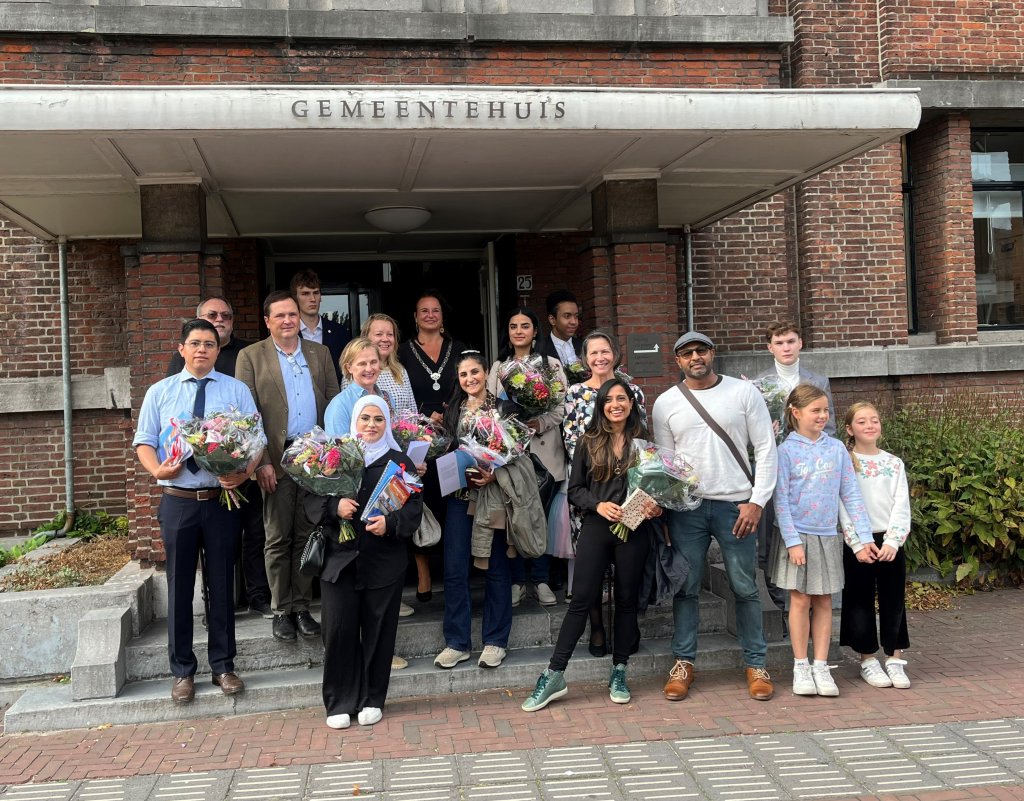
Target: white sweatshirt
{"type": "Point", "coordinates": [883, 483]}
{"type": "Point", "coordinates": [741, 412]}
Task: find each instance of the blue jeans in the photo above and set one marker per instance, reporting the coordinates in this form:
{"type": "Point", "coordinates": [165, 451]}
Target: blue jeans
{"type": "Point", "coordinates": [691, 534]}
{"type": "Point", "coordinates": [539, 569]}
{"type": "Point", "coordinates": [497, 618]}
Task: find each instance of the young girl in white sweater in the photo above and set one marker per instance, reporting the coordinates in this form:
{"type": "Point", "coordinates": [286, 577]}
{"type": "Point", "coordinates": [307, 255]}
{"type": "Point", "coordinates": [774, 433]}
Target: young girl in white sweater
{"type": "Point", "coordinates": [879, 569]}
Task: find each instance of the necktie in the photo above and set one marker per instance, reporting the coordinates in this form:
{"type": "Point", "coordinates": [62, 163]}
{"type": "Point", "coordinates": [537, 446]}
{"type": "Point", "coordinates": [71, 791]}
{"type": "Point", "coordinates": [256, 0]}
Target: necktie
{"type": "Point", "coordinates": [198, 410]}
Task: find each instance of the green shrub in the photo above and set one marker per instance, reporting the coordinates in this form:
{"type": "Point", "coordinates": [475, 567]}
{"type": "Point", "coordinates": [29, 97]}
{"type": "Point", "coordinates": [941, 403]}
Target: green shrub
{"type": "Point", "coordinates": [965, 463]}
{"type": "Point", "coordinates": [88, 524]}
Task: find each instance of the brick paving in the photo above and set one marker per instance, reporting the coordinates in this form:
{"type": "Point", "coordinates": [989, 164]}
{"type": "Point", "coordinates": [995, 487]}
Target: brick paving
{"type": "Point", "coordinates": [966, 665]}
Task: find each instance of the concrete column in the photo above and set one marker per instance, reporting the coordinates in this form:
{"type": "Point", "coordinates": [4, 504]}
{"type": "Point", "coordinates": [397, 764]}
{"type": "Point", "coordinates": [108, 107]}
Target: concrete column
{"type": "Point", "coordinates": [625, 207]}
{"type": "Point", "coordinates": [173, 216]}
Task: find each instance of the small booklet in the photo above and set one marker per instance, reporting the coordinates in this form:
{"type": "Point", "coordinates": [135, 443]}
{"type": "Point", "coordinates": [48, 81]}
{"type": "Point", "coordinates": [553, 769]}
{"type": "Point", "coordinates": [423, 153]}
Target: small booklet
{"type": "Point", "coordinates": [391, 493]}
{"type": "Point", "coordinates": [634, 508]}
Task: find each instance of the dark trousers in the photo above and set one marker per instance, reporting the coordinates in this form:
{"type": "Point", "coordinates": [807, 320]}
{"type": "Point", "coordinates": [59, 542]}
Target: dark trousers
{"type": "Point", "coordinates": [863, 581]}
{"type": "Point", "coordinates": [765, 532]}
{"type": "Point", "coordinates": [596, 549]}
{"type": "Point", "coordinates": [185, 527]}
{"type": "Point", "coordinates": [359, 630]}
{"type": "Point", "coordinates": [254, 538]}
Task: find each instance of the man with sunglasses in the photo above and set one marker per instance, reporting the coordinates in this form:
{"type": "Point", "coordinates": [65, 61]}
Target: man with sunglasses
{"type": "Point", "coordinates": [292, 380]}
{"type": "Point", "coordinates": [221, 315]}
{"type": "Point", "coordinates": [711, 420]}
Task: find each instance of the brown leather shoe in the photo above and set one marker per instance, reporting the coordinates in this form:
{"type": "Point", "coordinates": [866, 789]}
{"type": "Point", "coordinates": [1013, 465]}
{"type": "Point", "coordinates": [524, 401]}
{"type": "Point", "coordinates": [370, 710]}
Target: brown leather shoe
{"type": "Point", "coordinates": [183, 690]}
{"type": "Point", "coordinates": [229, 683]}
{"type": "Point", "coordinates": [679, 680]}
{"type": "Point", "coordinates": [759, 683]}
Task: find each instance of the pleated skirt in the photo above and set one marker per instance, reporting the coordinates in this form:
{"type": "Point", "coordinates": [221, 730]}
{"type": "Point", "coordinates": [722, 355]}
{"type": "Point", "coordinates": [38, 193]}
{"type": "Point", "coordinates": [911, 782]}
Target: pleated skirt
{"type": "Point", "coordinates": [823, 573]}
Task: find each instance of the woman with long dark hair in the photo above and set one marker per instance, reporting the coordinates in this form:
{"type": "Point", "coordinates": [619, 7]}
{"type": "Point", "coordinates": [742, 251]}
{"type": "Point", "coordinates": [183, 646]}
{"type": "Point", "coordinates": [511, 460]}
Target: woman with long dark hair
{"type": "Point", "coordinates": [598, 487]}
{"type": "Point", "coordinates": [519, 341]}
{"type": "Point", "coordinates": [361, 581]}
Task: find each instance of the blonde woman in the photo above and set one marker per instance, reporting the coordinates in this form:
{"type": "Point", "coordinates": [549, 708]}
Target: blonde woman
{"type": "Point", "coordinates": [382, 331]}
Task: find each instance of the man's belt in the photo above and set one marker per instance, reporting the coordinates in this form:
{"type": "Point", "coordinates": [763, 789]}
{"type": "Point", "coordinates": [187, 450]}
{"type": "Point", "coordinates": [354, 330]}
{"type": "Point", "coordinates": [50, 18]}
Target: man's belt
{"type": "Point", "coordinates": [205, 494]}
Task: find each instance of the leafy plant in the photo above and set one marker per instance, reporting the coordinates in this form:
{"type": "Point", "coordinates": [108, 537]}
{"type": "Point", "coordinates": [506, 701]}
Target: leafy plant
{"type": "Point", "coordinates": [965, 463]}
{"type": "Point", "coordinates": [88, 524]}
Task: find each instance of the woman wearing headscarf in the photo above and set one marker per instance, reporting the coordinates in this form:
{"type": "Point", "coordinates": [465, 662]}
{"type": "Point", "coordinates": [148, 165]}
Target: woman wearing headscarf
{"type": "Point", "coordinates": [361, 581]}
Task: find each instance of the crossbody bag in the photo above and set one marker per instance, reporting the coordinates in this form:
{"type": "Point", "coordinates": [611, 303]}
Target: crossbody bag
{"type": "Point", "coordinates": [713, 425]}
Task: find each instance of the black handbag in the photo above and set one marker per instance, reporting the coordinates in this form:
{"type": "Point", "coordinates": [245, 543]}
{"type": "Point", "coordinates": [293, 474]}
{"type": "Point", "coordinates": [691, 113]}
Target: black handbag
{"type": "Point", "coordinates": [547, 487]}
{"type": "Point", "coordinates": [312, 560]}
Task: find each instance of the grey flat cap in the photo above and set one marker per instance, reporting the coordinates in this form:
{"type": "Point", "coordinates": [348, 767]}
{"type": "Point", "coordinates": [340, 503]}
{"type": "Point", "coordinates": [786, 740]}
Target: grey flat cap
{"type": "Point", "coordinates": [692, 336]}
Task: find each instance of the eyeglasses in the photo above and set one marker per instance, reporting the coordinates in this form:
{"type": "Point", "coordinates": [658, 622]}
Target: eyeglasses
{"type": "Point", "coordinates": [195, 344]}
{"type": "Point", "coordinates": [296, 367]}
{"type": "Point", "coordinates": [215, 315]}
{"type": "Point", "coordinates": [688, 354]}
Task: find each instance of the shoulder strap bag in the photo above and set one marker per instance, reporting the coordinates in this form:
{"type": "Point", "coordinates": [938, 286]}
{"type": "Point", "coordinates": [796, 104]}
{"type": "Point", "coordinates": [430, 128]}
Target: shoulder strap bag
{"type": "Point", "coordinates": [311, 563]}
{"type": "Point", "coordinates": [707, 418]}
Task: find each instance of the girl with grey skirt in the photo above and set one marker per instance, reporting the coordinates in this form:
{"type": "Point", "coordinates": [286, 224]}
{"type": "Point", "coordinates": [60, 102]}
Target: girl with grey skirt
{"type": "Point", "coordinates": [815, 473]}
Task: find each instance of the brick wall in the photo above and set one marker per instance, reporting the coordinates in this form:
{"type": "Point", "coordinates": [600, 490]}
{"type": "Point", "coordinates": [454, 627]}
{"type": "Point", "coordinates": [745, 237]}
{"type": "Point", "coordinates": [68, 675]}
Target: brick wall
{"type": "Point", "coordinates": [943, 229]}
{"type": "Point", "coordinates": [45, 59]}
{"type": "Point", "coordinates": [928, 390]}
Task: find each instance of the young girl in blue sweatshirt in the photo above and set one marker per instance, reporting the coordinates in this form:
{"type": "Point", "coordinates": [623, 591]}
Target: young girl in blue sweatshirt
{"type": "Point", "coordinates": [815, 473]}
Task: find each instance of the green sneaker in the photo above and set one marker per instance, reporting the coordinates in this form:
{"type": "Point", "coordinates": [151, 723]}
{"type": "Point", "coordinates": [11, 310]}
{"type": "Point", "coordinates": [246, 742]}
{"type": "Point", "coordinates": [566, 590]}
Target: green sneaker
{"type": "Point", "coordinates": [618, 690]}
{"type": "Point", "coordinates": [550, 685]}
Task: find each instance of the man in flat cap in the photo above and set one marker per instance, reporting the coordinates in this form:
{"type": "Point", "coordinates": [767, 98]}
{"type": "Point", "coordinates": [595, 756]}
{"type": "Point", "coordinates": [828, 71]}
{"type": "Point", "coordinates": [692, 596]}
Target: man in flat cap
{"type": "Point", "coordinates": [711, 420]}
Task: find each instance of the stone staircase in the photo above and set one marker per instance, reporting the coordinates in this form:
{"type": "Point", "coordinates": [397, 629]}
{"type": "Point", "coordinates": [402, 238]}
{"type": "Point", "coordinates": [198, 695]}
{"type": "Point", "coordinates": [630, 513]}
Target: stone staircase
{"type": "Point", "coordinates": [282, 675]}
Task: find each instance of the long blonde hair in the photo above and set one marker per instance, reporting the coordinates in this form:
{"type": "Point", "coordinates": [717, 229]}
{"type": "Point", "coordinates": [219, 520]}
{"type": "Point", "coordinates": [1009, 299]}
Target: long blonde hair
{"type": "Point", "coordinates": [803, 395]}
{"type": "Point", "coordinates": [849, 440]}
{"type": "Point", "coordinates": [391, 363]}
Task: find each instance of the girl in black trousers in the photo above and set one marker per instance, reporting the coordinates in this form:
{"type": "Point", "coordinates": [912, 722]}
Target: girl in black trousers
{"type": "Point", "coordinates": [597, 487]}
{"type": "Point", "coordinates": [361, 582]}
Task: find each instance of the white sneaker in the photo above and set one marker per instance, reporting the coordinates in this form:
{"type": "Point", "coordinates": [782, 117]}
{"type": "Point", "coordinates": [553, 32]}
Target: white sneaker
{"type": "Point", "coordinates": [894, 667]}
{"type": "Point", "coordinates": [339, 721]}
{"type": "Point", "coordinates": [405, 610]}
{"type": "Point", "coordinates": [449, 658]}
{"type": "Point", "coordinates": [370, 715]}
{"type": "Point", "coordinates": [823, 681]}
{"type": "Point", "coordinates": [871, 671]}
{"type": "Point", "coordinates": [397, 663]}
{"type": "Point", "coordinates": [544, 595]}
{"type": "Point", "coordinates": [517, 594]}
{"type": "Point", "coordinates": [492, 656]}
{"type": "Point", "coordinates": [803, 682]}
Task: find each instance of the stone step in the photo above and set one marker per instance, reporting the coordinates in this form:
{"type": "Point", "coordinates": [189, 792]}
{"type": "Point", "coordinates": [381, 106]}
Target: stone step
{"type": "Point", "coordinates": [419, 635]}
{"type": "Point", "coordinates": [52, 708]}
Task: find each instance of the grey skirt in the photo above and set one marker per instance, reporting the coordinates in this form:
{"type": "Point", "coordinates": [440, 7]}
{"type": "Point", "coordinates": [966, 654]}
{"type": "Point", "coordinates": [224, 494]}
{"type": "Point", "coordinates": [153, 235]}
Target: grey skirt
{"type": "Point", "coordinates": [823, 573]}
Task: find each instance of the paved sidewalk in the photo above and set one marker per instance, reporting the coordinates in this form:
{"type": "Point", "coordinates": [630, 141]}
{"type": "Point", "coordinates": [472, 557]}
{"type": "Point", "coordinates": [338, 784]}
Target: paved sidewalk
{"type": "Point", "coordinates": [967, 665]}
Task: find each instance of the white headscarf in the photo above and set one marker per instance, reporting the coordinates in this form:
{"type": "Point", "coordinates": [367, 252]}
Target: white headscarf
{"type": "Point", "coordinates": [372, 451]}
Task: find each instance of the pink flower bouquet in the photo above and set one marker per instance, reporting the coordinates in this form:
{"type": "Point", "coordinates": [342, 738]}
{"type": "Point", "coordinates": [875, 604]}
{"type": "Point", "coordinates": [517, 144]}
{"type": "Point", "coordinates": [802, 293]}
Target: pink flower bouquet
{"type": "Point", "coordinates": [224, 443]}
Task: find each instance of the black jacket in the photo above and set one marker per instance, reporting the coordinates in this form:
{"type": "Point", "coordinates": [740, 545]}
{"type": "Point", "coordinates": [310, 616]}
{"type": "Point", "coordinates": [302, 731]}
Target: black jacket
{"type": "Point", "coordinates": [547, 347]}
{"type": "Point", "coordinates": [379, 561]}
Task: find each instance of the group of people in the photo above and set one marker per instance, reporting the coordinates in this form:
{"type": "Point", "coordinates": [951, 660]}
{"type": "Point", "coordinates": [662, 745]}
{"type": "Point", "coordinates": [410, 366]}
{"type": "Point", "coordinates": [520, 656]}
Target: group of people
{"type": "Point", "coordinates": [586, 446]}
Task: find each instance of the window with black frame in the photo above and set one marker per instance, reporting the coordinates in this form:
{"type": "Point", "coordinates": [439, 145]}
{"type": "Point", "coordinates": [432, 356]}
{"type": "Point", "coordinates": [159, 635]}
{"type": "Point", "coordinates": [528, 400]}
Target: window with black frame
{"type": "Point", "coordinates": [997, 174]}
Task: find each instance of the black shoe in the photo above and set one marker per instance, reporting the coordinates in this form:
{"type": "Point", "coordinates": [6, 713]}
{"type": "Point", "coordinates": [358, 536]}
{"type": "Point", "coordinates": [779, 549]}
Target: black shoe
{"type": "Point", "coordinates": [598, 646]}
{"type": "Point", "coordinates": [424, 597]}
{"type": "Point", "coordinates": [305, 623]}
{"type": "Point", "coordinates": [283, 627]}
{"type": "Point", "coordinates": [261, 608]}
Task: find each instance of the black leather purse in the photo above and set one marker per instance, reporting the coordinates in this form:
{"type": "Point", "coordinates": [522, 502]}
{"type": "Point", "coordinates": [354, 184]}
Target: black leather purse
{"type": "Point", "coordinates": [546, 484]}
{"type": "Point", "coordinates": [312, 560]}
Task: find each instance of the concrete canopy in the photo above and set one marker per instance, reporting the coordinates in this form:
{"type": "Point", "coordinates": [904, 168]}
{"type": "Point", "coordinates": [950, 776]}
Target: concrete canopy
{"type": "Point", "coordinates": [300, 166]}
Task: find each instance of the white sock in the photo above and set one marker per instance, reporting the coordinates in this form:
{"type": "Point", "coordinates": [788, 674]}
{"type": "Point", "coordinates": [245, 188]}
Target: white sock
{"type": "Point", "coordinates": [797, 662]}
{"type": "Point", "coordinates": [820, 663]}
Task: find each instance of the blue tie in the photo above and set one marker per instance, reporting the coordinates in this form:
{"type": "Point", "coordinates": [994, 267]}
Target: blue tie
{"type": "Point", "coordinates": [198, 410]}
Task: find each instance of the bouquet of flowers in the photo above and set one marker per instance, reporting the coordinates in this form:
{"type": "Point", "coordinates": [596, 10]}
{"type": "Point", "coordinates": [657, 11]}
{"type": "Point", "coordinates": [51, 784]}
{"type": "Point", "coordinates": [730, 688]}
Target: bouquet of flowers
{"type": "Point", "coordinates": [775, 395]}
{"type": "Point", "coordinates": [224, 443]}
{"type": "Point", "coordinates": [668, 479]}
{"type": "Point", "coordinates": [576, 373]}
{"type": "Point", "coordinates": [495, 441]}
{"type": "Point", "coordinates": [531, 384]}
{"type": "Point", "coordinates": [326, 466]}
{"type": "Point", "coordinates": [413, 426]}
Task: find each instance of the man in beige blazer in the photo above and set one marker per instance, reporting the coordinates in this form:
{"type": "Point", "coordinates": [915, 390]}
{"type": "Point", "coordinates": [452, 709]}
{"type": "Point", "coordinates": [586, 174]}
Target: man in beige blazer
{"type": "Point", "coordinates": [292, 381]}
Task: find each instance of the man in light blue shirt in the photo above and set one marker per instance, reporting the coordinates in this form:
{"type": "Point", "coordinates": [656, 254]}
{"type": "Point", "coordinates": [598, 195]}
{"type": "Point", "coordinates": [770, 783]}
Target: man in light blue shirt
{"type": "Point", "coordinates": [191, 518]}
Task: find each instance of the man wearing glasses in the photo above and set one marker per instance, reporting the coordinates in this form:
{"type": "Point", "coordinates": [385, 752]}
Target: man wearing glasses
{"type": "Point", "coordinates": [711, 421]}
{"type": "Point", "coordinates": [257, 591]}
{"type": "Point", "coordinates": [191, 516]}
{"type": "Point", "coordinates": [292, 380]}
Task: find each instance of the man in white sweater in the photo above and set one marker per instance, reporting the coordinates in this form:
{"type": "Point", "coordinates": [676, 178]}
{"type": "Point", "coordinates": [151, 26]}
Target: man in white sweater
{"type": "Point", "coordinates": [733, 500]}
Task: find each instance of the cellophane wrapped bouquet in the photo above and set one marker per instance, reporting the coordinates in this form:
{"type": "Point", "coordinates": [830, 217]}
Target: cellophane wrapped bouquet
{"type": "Point", "coordinates": [775, 395]}
{"type": "Point", "coordinates": [532, 385]}
{"type": "Point", "coordinates": [665, 476]}
{"type": "Point", "coordinates": [495, 441]}
{"type": "Point", "coordinates": [223, 443]}
{"type": "Point", "coordinates": [326, 466]}
{"type": "Point", "coordinates": [413, 426]}
{"type": "Point", "coordinates": [576, 373]}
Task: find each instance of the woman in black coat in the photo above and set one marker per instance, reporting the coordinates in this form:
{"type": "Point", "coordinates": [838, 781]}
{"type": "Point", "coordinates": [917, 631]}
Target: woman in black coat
{"type": "Point", "coordinates": [361, 582]}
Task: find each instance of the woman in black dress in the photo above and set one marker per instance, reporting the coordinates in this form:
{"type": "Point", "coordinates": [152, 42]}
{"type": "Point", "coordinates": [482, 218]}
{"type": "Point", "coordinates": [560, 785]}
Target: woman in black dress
{"type": "Point", "coordinates": [361, 582]}
{"type": "Point", "coordinates": [598, 487]}
{"type": "Point", "coordinates": [430, 358]}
